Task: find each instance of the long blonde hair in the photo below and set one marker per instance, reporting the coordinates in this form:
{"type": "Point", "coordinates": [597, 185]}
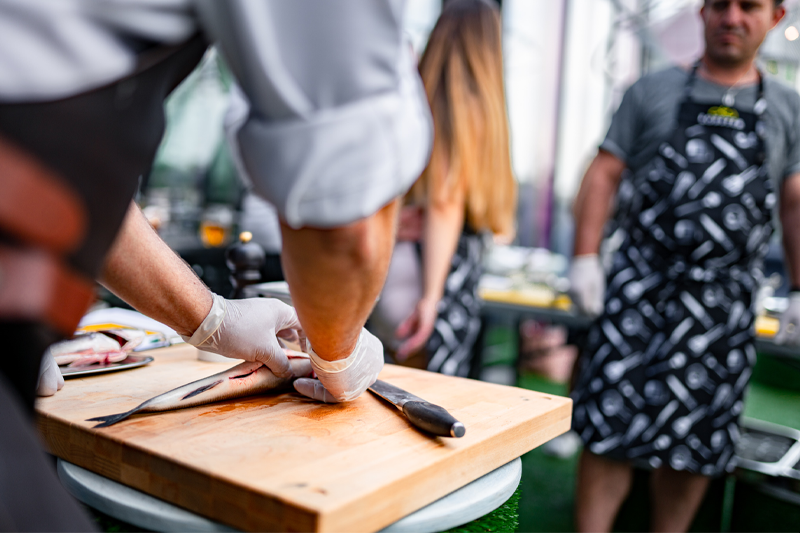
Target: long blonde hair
{"type": "Point", "coordinates": [462, 70]}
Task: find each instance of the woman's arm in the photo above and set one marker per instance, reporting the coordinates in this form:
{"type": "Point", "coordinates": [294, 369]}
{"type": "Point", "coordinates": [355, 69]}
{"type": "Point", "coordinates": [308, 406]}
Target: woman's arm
{"type": "Point", "coordinates": [444, 221]}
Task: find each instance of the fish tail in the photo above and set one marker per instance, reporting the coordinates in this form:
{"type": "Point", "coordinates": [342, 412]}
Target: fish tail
{"type": "Point", "coordinates": [110, 420]}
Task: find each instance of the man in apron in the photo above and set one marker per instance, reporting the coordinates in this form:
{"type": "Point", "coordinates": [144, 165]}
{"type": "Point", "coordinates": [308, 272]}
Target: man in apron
{"type": "Point", "coordinates": [339, 127]}
{"type": "Point", "coordinates": [710, 152]}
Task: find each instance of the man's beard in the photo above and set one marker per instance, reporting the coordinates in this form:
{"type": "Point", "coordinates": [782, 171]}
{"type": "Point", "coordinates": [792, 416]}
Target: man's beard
{"type": "Point", "coordinates": [731, 56]}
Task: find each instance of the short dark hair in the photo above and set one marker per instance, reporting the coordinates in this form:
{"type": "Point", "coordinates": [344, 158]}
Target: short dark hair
{"type": "Point", "coordinates": [777, 2]}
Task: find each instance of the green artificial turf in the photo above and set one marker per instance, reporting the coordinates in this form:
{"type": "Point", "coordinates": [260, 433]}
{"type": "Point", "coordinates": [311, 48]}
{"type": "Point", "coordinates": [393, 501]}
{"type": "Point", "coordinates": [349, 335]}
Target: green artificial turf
{"type": "Point", "coordinates": [503, 519]}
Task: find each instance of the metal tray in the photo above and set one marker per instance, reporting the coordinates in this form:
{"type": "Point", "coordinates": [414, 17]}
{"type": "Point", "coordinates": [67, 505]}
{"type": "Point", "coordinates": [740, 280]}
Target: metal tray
{"type": "Point", "coordinates": [132, 361]}
{"type": "Point", "coordinates": [778, 447]}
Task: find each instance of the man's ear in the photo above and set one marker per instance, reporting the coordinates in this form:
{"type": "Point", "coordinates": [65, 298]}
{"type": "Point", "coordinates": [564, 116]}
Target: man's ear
{"type": "Point", "coordinates": [777, 15]}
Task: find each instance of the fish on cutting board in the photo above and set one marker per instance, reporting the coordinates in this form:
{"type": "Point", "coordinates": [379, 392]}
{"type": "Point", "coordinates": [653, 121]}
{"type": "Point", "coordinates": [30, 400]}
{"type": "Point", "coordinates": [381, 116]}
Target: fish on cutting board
{"type": "Point", "coordinates": [244, 379]}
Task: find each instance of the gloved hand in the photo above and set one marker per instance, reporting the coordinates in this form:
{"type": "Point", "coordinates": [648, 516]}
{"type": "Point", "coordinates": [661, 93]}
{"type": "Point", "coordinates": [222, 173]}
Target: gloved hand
{"type": "Point", "coordinates": [248, 329]}
{"type": "Point", "coordinates": [346, 379]}
{"type": "Point", "coordinates": [50, 378]}
{"type": "Point", "coordinates": [789, 332]}
{"type": "Point", "coordinates": [588, 284]}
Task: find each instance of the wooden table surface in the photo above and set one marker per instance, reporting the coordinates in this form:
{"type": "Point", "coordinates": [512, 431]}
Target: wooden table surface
{"type": "Point", "coordinates": [285, 463]}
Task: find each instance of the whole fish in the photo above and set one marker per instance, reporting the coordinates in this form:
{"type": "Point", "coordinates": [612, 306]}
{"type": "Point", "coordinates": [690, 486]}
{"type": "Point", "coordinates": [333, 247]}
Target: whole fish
{"type": "Point", "coordinates": [101, 358]}
{"type": "Point", "coordinates": [90, 348]}
{"type": "Point", "coordinates": [244, 379]}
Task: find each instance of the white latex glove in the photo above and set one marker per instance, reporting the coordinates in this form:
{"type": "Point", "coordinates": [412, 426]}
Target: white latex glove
{"type": "Point", "coordinates": [248, 329]}
{"type": "Point", "coordinates": [50, 378]}
{"type": "Point", "coordinates": [789, 332]}
{"type": "Point", "coordinates": [346, 379]}
{"type": "Point", "coordinates": [588, 283]}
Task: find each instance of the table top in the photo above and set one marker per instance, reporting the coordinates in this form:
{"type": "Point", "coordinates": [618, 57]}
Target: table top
{"type": "Point", "coordinates": [282, 462]}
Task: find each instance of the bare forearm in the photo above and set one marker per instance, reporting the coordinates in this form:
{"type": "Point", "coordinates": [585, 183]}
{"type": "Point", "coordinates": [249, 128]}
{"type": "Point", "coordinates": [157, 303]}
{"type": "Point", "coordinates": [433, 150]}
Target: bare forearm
{"type": "Point", "coordinates": [790, 222]}
{"type": "Point", "coordinates": [593, 202]}
{"type": "Point", "coordinates": [335, 275]}
{"type": "Point", "coordinates": [142, 270]}
{"type": "Point", "coordinates": [443, 225]}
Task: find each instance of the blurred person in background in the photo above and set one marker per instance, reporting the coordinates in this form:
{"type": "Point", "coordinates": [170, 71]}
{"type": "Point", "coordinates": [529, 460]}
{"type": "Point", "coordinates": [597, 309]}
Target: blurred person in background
{"type": "Point", "coordinates": [710, 152]}
{"type": "Point", "coordinates": [429, 306]}
{"type": "Point", "coordinates": [338, 129]}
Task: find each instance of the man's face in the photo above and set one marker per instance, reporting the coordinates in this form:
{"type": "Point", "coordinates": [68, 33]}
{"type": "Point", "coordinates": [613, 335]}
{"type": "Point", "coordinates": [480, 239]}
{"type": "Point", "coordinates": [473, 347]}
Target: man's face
{"type": "Point", "coordinates": [734, 29]}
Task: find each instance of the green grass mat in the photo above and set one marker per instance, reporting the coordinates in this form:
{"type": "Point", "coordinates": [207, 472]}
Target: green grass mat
{"type": "Point", "coordinates": [503, 519]}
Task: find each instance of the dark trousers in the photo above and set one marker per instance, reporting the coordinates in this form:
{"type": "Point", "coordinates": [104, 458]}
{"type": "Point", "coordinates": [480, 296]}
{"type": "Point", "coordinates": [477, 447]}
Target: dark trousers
{"type": "Point", "coordinates": [31, 497]}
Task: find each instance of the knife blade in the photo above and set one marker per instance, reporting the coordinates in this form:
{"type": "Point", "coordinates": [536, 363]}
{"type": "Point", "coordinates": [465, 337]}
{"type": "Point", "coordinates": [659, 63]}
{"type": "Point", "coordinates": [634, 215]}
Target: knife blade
{"type": "Point", "coordinates": [424, 415]}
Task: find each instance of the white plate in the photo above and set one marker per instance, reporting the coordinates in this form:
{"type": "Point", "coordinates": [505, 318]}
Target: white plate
{"type": "Point", "coordinates": [132, 361]}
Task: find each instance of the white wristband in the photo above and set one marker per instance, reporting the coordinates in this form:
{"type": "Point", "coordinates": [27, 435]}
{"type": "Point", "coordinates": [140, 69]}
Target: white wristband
{"type": "Point", "coordinates": [210, 324]}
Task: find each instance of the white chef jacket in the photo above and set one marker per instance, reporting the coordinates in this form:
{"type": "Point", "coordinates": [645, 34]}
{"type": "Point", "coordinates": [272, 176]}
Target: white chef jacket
{"type": "Point", "coordinates": [339, 123]}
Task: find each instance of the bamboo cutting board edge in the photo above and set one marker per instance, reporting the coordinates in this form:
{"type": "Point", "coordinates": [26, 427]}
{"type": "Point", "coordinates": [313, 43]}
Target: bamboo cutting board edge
{"type": "Point", "coordinates": [221, 500]}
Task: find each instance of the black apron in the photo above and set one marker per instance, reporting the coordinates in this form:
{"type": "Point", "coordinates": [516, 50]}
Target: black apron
{"type": "Point", "coordinates": [665, 366]}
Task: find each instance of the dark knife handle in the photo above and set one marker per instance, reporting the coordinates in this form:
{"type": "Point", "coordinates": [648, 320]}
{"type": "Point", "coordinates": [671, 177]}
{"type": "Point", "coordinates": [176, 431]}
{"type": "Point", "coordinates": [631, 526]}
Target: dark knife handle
{"type": "Point", "coordinates": [433, 419]}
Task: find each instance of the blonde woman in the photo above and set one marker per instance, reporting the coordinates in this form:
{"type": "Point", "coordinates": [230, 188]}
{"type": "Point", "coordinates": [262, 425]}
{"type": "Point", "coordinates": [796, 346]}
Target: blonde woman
{"type": "Point", "coordinates": [429, 305]}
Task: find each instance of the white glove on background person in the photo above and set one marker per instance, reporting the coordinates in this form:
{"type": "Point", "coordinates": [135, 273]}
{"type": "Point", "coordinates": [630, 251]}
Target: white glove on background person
{"type": "Point", "coordinates": [248, 329]}
{"type": "Point", "coordinates": [587, 280]}
{"type": "Point", "coordinates": [346, 379]}
{"type": "Point", "coordinates": [50, 378]}
{"type": "Point", "coordinates": [789, 332]}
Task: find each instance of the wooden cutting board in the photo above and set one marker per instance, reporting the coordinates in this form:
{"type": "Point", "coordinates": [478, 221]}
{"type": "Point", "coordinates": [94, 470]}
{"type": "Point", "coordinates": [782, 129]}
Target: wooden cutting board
{"type": "Point", "coordinates": [286, 463]}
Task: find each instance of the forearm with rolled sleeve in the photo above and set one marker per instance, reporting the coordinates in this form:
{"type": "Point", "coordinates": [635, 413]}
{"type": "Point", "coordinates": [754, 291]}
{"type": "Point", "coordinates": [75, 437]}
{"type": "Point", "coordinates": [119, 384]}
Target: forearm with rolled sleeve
{"type": "Point", "coordinates": [339, 123]}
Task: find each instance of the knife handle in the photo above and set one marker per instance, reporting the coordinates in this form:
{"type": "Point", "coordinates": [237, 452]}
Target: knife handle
{"type": "Point", "coordinates": [433, 419]}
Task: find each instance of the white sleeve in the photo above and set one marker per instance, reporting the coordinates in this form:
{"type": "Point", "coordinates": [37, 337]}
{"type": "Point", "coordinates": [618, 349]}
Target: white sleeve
{"type": "Point", "coordinates": [339, 123]}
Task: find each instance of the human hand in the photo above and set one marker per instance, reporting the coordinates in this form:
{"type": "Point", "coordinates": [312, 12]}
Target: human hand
{"type": "Point", "coordinates": [588, 284]}
{"type": "Point", "coordinates": [789, 332]}
{"type": "Point", "coordinates": [411, 223]}
{"type": "Point", "coordinates": [416, 329]}
{"type": "Point", "coordinates": [50, 378]}
{"type": "Point", "coordinates": [346, 379]}
{"type": "Point", "coordinates": [248, 329]}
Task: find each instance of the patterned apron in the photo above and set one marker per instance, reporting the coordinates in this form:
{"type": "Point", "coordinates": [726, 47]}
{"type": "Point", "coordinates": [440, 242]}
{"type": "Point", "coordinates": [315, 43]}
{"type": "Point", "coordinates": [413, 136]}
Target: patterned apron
{"type": "Point", "coordinates": [665, 366]}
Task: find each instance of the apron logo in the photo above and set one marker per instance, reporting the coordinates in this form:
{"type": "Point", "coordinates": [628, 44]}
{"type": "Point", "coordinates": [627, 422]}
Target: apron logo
{"type": "Point", "coordinates": [721, 116]}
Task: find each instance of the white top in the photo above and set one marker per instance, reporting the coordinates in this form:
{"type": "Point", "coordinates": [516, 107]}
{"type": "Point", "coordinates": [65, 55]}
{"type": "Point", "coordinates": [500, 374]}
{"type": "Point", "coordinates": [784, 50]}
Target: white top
{"type": "Point", "coordinates": [338, 124]}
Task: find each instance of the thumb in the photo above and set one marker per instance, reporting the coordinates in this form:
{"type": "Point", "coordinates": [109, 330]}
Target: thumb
{"type": "Point", "coordinates": [313, 389]}
{"type": "Point", "coordinates": [274, 357]}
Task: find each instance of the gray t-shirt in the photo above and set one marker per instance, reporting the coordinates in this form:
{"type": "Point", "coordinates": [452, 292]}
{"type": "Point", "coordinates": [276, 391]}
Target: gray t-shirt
{"type": "Point", "coordinates": [648, 113]}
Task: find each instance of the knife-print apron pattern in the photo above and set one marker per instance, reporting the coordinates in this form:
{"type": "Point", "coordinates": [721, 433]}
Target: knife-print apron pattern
{"type": "Point", "coordinates": [458, 320]}
{"type": "Point", "coordinates": [665, 366]}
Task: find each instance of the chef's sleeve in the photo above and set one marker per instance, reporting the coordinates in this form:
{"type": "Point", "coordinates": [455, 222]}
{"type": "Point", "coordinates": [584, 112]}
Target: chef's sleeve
{"type": "Point", "coordinates": [622, 135]}
{"type": "Point", "coordinates": [338, 123]}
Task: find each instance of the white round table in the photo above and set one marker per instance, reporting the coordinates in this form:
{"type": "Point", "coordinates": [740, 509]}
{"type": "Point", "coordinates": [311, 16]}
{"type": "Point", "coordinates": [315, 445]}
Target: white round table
{"type": "Point", "coordinates": [471, 501]}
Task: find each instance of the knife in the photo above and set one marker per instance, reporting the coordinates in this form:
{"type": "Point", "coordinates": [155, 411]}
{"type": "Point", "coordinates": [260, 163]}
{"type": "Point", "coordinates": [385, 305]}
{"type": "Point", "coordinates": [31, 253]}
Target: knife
{"type": "Point", "coordinates": [424, 415]}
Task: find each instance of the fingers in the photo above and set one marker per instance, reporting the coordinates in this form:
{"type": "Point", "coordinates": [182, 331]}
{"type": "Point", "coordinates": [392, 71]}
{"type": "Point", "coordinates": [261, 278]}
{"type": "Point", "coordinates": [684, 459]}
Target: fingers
{"type": "Point", "coordinates": [594, 304]}
{"type": "Point", "coordinates": [287, 317]}
{"type": "Point", "coordinates": [412, 344]}
{"type": "Point", "coordinates": [50, 378]}
{"type": "Point", "coordinates": [313, 389]}
{"type": "Point", "coordinates": [274, 357]}
{"type": "Point", "coordinates": [407, 326]}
